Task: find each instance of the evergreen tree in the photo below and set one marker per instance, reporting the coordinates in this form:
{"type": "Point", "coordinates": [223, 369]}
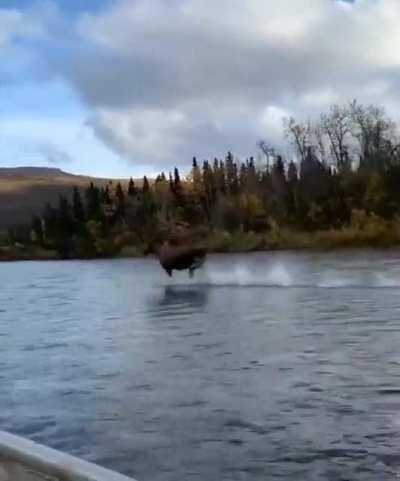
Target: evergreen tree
{"type": "Point", "coordinates": [37, 228]}
{"type": "Point", "coordinates": [221, 178]}
{"type": "Point", "coordinates": [146, 186]}
{"type": "Point", "coordinates": [216, 168]}
{"type": "Point", "coordinates": [131, 188]}
{"type": "Point", "coordinates": [120, 200]}
{"type": "Point", "coordinates": [242, 177]}
{"type": "Point", "coordinates": [234, 180]}
{"type": "Point", "coordinates": [209, 189]}
{"type": "Point", "coordinates": [77, 206]}
{"type": "Point", "coordinates": [292, 186]}
{"type": "Point", "coordinates": [197, 180]}
{"type": "Point", "coordinates": [107, 197]}
{"type": "Point", "coordinates": [65, 221]}
{"type": "Point", "coordinates": [279, 189]}
{"type": "Point", "coordinates": [146, 210]}
{"type": "Point", "coordinates": [50, 221]}
{"type": "Point", "coordinates": [252, 181]}
{"type": "Point", "coordinates": [230, 173]}
{"type": "Point", "coordinates": [177, 180]}
{"type": "Point", "coordinates": [178, 189]}
{"type": "Point", "coordinates": [92, 195]}
{"type": "Point", "coordinates": [171, 183]}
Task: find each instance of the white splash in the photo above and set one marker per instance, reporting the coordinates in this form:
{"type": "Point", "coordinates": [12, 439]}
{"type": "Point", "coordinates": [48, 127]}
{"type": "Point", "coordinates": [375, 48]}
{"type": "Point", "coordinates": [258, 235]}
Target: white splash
{"type": "Point", "coordinates": [279, 275]}
{"type": "Point", "coordinates": [383, 280]}
{"type": "Point", "coordinates": [241, 275]}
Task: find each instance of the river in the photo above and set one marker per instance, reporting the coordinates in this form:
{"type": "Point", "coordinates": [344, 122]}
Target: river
{"type": "Point", "coordinates": [265, 366]}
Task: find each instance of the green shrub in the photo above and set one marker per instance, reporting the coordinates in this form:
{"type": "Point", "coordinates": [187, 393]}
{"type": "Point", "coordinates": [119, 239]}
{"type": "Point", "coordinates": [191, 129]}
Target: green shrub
{"type": "Point", "coordinates": [105, 247]}
{"type": "Point", "coordinates": [133, 251]}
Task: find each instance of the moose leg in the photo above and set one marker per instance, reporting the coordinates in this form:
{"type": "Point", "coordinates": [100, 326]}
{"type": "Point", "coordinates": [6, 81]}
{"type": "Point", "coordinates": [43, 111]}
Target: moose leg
{"type": "Point", "coordinates": [197, 263]}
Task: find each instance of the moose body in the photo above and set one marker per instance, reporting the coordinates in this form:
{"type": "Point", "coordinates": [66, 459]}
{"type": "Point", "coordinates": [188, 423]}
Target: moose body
{"type": "Point", "coordinates": [181, 258]}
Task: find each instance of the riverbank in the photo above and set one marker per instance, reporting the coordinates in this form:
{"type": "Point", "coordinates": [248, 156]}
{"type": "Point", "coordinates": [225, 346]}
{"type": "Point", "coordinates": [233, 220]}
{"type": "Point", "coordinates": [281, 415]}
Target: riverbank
{"type": "Point", "coordinates": [26, 253]}
{"type": "Point", "coordinates": [373, 234]}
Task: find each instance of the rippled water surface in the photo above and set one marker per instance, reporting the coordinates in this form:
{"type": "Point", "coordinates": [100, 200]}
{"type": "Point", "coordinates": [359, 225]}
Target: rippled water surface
{"type": "Point", "coordinates": [265, 366]}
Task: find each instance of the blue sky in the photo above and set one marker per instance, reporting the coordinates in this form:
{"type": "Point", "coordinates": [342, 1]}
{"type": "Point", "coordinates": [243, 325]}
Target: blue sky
{"type": "Point", "coordinates": [71, 7]}
{"type": "Point", "coordinates": [127, 87]}
{"type": "Point", "coordinates": [42, 120]}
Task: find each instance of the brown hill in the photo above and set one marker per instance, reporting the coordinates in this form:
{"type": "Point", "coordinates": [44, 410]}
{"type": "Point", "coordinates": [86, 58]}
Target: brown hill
{"type": "Point", "coordinates": [25, 190]}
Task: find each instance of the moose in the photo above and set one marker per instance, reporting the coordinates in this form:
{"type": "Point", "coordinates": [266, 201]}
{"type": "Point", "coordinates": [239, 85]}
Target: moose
{"type": "Point", "coordinates": [181, 258]}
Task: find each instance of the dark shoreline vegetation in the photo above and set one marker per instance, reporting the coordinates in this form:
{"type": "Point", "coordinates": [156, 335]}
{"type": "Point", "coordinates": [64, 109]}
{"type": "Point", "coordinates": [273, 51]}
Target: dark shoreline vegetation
{"type": "Point", "coordinates": [342, 191]}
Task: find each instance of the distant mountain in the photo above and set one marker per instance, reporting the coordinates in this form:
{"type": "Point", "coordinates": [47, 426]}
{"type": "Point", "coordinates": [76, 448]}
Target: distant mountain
{"type": "Point", "coordinates": [33, 172]}
{"type": "Point", "coordinates": [25, 190]}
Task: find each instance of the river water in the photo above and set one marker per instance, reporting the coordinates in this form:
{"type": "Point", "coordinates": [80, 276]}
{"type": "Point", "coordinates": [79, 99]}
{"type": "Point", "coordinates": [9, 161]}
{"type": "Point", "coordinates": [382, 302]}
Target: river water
{"type": "Point", "coordinates": [265, 366]}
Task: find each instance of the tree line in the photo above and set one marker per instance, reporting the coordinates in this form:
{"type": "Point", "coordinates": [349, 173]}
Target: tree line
{"type": "Point", "coordinates": [344, 170]}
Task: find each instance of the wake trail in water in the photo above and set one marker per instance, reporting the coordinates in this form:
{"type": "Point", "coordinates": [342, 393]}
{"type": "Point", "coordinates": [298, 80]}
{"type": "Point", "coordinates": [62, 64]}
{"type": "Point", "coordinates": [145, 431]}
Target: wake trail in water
{"type": "Point", "coordinates": [280, 276]}
{"type": "Point", "coordinates": [242, 276]}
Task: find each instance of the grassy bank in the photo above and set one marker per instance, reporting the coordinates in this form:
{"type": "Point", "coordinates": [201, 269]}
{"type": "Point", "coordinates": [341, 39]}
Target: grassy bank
{"type": "Point", "coordinates": [283, 239]}
{"type": "Point", "coordinates": [363, 231]}
{"type": "Point", "coordinates": [26, 253]}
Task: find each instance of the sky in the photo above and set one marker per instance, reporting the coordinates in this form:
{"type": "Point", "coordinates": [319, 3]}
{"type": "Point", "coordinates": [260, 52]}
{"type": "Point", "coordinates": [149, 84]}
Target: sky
{"type": "Point", "coordinates": [131, 87]}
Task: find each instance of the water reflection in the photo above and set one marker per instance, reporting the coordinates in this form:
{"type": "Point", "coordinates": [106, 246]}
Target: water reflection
{"type": "Point", "coordinates": [193, 297]}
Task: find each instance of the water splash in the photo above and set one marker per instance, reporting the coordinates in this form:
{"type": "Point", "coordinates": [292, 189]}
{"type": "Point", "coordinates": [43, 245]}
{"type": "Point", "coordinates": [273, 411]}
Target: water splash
{"type": "Point", "coordinates": [384, 280]}
{"type": "Point", "coordinates": [240, 275]}
{"type": "Point", "coordinates": [332, 280]}
{"type": "Point", "coordinates": [280, 275]}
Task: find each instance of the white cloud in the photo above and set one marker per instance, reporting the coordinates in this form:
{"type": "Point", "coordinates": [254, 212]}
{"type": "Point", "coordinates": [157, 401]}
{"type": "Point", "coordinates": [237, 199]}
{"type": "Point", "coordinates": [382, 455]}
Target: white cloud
{"type": "Point", "coordinates": [27, 24]}
{"type": "Point", "coordinates": [168, 80]}
{"type": "Point", "coordinates": [34, 140]}
{"type": "Point", "coordinates": [319, 98]}
{"type": "Point", "coordinates": [151, 135]}
{"type": "Point", "coordinates": [271, 124]}
{"type": "Point", "coordinates": [11, 22]}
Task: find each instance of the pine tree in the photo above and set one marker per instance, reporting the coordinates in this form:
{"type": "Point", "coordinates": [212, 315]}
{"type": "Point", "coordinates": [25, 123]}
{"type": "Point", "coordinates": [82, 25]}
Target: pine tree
{"type": "Point", "coordinates": [145, 215]}
{"type": "Point", "coordinates": [252, 180]}
{"type": "Point", "coordinates": [77, 206]}
{"type": "Point", "coordinates": [37, 228]}
{"type": "Point", "coordinates": [209, 189]}
{"type": "Point", "coordinates": [229, 166]}
{"type": "Point", "coordinates": [50, 221]}
{"type": "Point", "coordinates": [279, 189]}
{"type": "Point", "coordinates": [107, 197]}
{"type": "Point", "coordinates": [92, 196]}
{"type": "Point", "coordinates": [177, 179]}
{"type": "Point", "coordinates": [178, 189]}
{"type": "Point", "coordinates": [243, 177]}
{"type": "Point", "coordinates": [197, 180]}
{"type": "Point", "coordinates": [65, 222]}
{"type": "Point", "coordinates": [120, 197]}
{"type": "Point", "coordinates": [131, 188]}
{"type": "Point", "coordinates": [221, 179]}
{"type": "Point", "coordinates": [234, 180]}
{"type": "Point", "coordinates": [146, 186]}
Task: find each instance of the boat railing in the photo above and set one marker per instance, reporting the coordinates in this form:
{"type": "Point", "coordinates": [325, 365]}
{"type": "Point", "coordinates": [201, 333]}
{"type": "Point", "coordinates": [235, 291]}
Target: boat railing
{"type": "Point", "coordinates": [25, 460]}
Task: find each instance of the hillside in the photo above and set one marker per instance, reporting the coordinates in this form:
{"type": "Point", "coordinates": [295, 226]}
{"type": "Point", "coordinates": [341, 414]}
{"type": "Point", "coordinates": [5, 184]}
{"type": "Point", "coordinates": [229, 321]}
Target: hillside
{"type": "Point", "coordinates": [25, 190]}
